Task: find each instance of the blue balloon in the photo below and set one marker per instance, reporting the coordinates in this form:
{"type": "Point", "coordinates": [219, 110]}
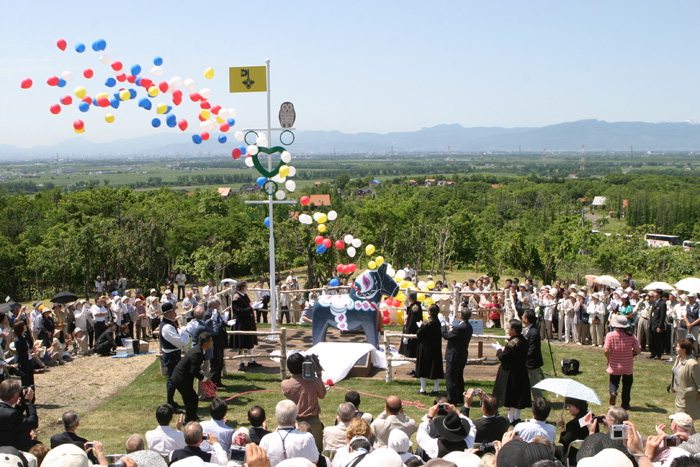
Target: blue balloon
{"type": "Point", "coordinates": [231, 121]}
{"type": "Point", "coordinates": [267, 222]}
{"type": "Point", "coordinates": [321, 249]}
{"type": "Point", "coordinates": [243, 150]}
{"type": "Point", "coordinates": [80, 47]}
{"type": "Point", "coordinates": [137, 82]}
{"type": "Point", "coordinates": [334, 283]}
{"type": "Point", "coordinates": [132, 93]}
{"type": "Point", "coordinates": [169, 109]}
{"type": "Point", "coordinates": [155, 122]}
{"type": "Point", "coordinates": [114, 102]}
{"type": "Point", "coordinates": [83, 106]}
{"type": "Point", "coordinates": [145, 103]}
{"type": "Point", "coordinates": [61, 83]}
{"type": "Point", "coordinates": [97, 45]}
{"type": "Point", "coordinates": [111, 82]}
{"type": "Point", "coordinates": [158, 61]}
{"type": "Point", "coordinates": [135, 69]}
{"type": "Point", "coordinates": [196, 139]}
{"type": "Point", "coordinates": [171, 121]}
{"type": "Point", "coordinates": [222, 139]}
{"type": "Point", "coordinates": [260, 181]}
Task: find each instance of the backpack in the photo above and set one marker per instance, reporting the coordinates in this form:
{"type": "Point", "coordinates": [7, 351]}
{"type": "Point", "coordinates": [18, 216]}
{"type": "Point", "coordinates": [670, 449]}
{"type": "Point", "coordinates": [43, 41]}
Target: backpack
{"type": "Point", "coordinates": [570, 366]}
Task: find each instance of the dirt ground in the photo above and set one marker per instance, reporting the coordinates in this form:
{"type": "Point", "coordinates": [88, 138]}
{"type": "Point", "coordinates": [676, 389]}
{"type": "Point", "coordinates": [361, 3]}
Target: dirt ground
{"type": "Point", "coordinates": [88, 382]}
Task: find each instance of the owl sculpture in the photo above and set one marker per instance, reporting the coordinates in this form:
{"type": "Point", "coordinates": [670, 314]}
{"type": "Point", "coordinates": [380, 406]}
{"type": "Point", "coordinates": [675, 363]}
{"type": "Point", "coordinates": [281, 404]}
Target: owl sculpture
{"type": "Point", "coordinates": [287, 115]}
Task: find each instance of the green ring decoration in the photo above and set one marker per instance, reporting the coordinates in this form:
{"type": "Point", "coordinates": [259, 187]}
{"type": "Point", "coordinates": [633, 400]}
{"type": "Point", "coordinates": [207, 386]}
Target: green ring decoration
{"type": "Point", "coordinates": [269, 187]}
{"type": "Point", "coordinates": [245, 138]}
{"type": "Point", "coordinates": [291, 142]}
{"type": "Point", "coordinates": [253, 211]}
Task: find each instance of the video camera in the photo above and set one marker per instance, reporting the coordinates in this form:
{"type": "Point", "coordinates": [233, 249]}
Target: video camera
{"type": "Point", "coordinates": [311, 368]}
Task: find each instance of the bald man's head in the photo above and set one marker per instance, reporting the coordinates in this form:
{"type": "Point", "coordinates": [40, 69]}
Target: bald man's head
{"type": "Point", "coordinates": [393, 405]}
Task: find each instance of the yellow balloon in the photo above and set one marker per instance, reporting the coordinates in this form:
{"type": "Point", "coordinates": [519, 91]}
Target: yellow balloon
{"type": "Point", "coordinates": [209, 73]}
{"type": "Point", "coordinates": [400, 317]}
{"type": "Point", "coordinates": [284, 171]}
{"type": "Point", "coordinates": [372, 265]}
{"type": "Point", "coordinates": [162, 108]}
{"type": "Point", "coordinates": [153, 91]}
{"type": "Point", "coordinates": [102, 94]}
{"type": "Point", "coordinates": [124, 95]}
{"type": "Point", "coordinates": [80, 92]}
{"type": "Point", "coordinates": [109, 118]}
{"type": "Point", "coordinates": [430, 285]}
{"type": "Point", "coordinates": [429, 301]}
{"type": "Point", "coordinates": [369, 249]}
{"type": "Point", "coordinates": [445, 289]}
{"type": "Point", "coordinates": [322, 218]}
{"type": "Point", "coordinates": [425, 316]}
{"type": "Point", "coordinates": [82, 130]}
{"type": "Point", "coordinates": [405, 285]}
{"type": "Point", "coordinates": [219, 120]}
{"type": "Point", "coordinates": [321, 228]}
{"type": "Point", "coordinates": [400, 297]}
{"type": "Point", "coordinates": [421, 297]}
{"type": "Point", "coordinates": [205, 114]}
{"type": "Point", "coordinates": [379, 260]}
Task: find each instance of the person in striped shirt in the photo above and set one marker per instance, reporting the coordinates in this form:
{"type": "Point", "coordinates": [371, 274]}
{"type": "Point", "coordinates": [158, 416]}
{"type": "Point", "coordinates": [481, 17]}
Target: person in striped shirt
{"type": "Point", "coordinates": [621, 345]}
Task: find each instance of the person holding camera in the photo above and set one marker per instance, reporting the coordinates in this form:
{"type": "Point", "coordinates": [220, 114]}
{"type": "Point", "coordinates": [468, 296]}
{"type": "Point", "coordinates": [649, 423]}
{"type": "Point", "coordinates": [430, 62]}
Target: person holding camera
{"type": "Point", "coordinates": [71, 420]}
{"type": "Point", "coordinates": [444, 430]}
{"type": "Point", "coordinates": [194, 436]}
{"type": "Point", "coordinates": [18, 418]}
{"type": "Point", "coordinates": [491, 426]}
{"type": "Point", "coordinates": [621, 345]}
{"type": "Point", "coordinates": [573, 430]}
{"type": "Point", "coordinates": [305, 391]}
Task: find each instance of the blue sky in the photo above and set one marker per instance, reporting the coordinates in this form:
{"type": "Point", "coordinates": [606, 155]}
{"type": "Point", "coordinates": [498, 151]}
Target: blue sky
{"type": "Point", "coordinates": [362, 66]}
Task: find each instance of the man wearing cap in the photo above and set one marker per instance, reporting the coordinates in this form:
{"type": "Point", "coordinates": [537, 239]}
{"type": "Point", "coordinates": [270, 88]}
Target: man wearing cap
{"type": "Point", "coordinates": [100, 315]}
{"type": "Point", "coordinates": [657, 324]}
{"type": "Point", "coordinates": [451, 432]}
{"type": "Point", "coordinates": [168, 296]}
{"type": "Point", "coordinates": [692, 318]}
{"type": "Point", "coordinates": [172, 341]}
{"type": "Point", "coordinates": [682, 427]}
{"type": "Point", "coordinates": [620, 347]}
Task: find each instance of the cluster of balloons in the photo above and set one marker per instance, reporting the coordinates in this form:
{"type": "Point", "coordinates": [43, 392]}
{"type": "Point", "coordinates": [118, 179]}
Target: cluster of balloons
{"type": "Point", "coordinates": [130, 83]}
{"type": "Point", "coordinates": [281, 176]}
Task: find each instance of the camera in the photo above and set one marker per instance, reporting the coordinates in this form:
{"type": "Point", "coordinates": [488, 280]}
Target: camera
{"type": "Point", "coordinates": [205, 436]}
{"type": "Point", "coordinates": [90, 445]}
{"type": "Point", "coordinates": [238, 453]}
{"type": "Point", "coordinates": [486, 448]}
{"type": "Point", "coordinates": [618, 432]}
{"type": "Point", "coordinates": [311, 368]}
{"type": "Point", "coordinates": [600, 418]}
{"type": "Point", "coordinates": [672, 441]}
{"type": "Point", "coordinates": [442, 406]}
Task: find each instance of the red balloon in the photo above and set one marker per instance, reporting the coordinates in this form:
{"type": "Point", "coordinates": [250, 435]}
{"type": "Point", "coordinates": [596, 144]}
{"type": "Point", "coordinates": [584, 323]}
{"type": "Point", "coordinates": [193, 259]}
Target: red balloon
{"type": "Point", "coordinates": [215, 109]}
{"type": "Point", "coordinates": [194, 96]}
{"type": "Point", "coordinates": [146, 83]}
{"type": "Point", "coordinates": [177, 100]}
{"type": "Point", "coordinates": [163, 86]}
{"type": "Point", "coordinates": [117, 65]}
{"type": "Point", "coordinates": [224, 127]}
{"type": "Point", "coordinates": [236, 153]}
{"type": "Point", "coordinates": [385, 312]}
{"type": "Point", "coordinates": [131, 78]}
{"type": "Point", "coordinates": [352, 267]}
{"type": "Point", "coordinates": [346, 269]}
{"type": "Point", "coordinates": [318, 240]}
{"type": "Point", "coordinates": [78, 124]}
{"type": "Point", "coordinates": [339, 244]}
{"type": "Point", "coordinates": [205, 105]}
{"type": "Point", "coordinates": [61, 44]}
{"type": "Point", "coordinates": [177, 93]}
{"type": "Point", "coordinates": [201, 119]}
{"type": "Point", "coordinates": [386, 320]}
{"type": "Point", "coordinates": [26, 83]}
{"type": "Point", "coordinates": [121, 77]}
{"type": "Point", "coordinates": [327, 242]}
{"type": "Point", "coordinates": [103, 102]}
{"type": "Point", "coordinates": [340, 267]}
{"type": "Point", "coordinates": [305, 200]}
{"type": "Point", "coordinates": [182, 124]}
{"type": "Point", "coordinates": [55, 109]}
{"type": "Point", "coordinates": [88, 73]}
{"type": "Point", "coordinates": [204, 135]}
{"type": "Point", "coordinates": [87, 99]}
{"type": "Point", "coordinates": [66, 100]}
{"type": "Point", "coordinates": [52, 81]}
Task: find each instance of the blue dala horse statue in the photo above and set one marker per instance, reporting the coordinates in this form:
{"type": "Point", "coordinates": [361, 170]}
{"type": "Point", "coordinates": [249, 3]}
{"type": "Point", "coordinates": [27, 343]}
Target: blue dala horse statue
{"type": "Point", "coordinates": [358, 309]}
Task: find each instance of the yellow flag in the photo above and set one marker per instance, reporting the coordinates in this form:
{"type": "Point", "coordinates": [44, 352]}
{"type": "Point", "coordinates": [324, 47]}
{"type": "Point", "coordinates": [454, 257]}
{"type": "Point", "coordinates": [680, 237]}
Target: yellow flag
{"type": "Point", "coordinates": [248, 79]}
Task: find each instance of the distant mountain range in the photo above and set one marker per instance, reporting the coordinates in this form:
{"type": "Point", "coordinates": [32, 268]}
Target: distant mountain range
{"type": "Point", "coordinates": [596, 135]}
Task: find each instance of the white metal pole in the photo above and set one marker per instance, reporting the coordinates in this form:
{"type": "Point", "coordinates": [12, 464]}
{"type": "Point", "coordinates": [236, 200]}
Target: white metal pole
{"type": "Point", "coordinates": [273, 295]}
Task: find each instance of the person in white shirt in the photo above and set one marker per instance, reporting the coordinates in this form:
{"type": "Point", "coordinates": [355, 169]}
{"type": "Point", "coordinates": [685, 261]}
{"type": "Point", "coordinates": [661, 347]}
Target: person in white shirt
{"type": "Point", "coordinates": [116, 308]}
{"type": "Point", "coordinates": [217, 425]}
{"type": "Point", "coordinates": [189, 303]}
{"type": "Point", "coordinates": [456, 431]}
{"type": "Point", "coordinates": [548, 303]}
{"type": "Point", "coordinates": [80, 314]}
{"type": "Point", "coordinates": [537, 427]}
{"type": "Point", "coordinates": [99, 286]}
{"type": "Point", "coordinates": [208, 290]}
{"type": "Point", "coordinates": [408, 270]}
{"type": "Point", "coordinates": [566, 317]}
{"type": "Point", "coordinates": [164, 439]}
{"type": "Point", "coordinates": [596, 318]}
{"type": "Point", "coordinates": [100, 316]}
{"type": "Point", "coordinates": [291, 278]}
{"type": "Point", "coordinates": [287, 442]}
{"type": "Point", "coordinates": [181, 281]}
{"type": "Point", "coordinates": [168, 296]}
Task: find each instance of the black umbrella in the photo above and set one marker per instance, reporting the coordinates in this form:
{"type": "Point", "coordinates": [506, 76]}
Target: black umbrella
{"type": "Point", "coordinates": [64, 297]}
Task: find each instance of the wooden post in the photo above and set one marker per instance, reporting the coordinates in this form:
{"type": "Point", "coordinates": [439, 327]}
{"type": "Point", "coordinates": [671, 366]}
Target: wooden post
{"type": "Point", "coordinates": [455, 305]}
{"type": "Point", "coordinates": [476, 267]}
{"type": "Point", "coordinates": [283, 357]}
{"type": "Point", "coordinates": [387, 354]}
{"type": "Point", "coordinates": [480, 351]}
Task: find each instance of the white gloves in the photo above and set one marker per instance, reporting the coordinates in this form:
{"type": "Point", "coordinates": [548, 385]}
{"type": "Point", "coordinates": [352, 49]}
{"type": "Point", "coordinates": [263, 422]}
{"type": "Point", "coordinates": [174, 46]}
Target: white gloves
{"type": "Point", "coordinates": [496, 346]}
{"type": "Point", "coordinates": [419, 323]}
{"type": "Point", "coordinates": [405, 340]}
{"type": "Point", "coordinates": [231, 322]}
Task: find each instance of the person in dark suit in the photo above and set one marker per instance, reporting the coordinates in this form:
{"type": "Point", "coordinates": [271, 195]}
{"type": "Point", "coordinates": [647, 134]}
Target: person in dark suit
{"type": "Point", "coordinates": [17, 416]}
{"type": "Point", "coordinates": [105, 343]}
{"type": "Point", "coordinates": [429, 360]}
{"type": "Point", "coordinates": [491, 426]}
{"type": "Point", "coordinates": [258, 427]}
{"type": "Point", "coordinates": [71, 421]}
{"type": "Point", "coordinates": [456, 356]}
{"type": "Point", "coordinates": [244, 316]}
{"type": "Point", "coordinates": [22, 347]}
{"type": "Point", "coordinates": [414, 314]}
{"type": "Point", "coordinates": [657, 324]}
{"type": "Point", "coordinates": [189, 368]}
{"type": "Point", "coordinates": [512, 385]}
{"type": "Point", "coordinates": [534, 350]}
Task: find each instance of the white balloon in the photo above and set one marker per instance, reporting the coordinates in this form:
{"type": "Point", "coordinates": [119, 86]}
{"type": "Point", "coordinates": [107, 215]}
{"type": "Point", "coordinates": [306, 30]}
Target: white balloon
{"type": "Point", "coordinates": [421, 285]}
{"type": "Point", "coordinates": [223, 113]}
{"type": "Point", "coordinates": [252, 150]}
{"type": "Point", "coordinates": [332, 215]}
{"type": "Point", "coordinates": [348, 239]}
{"type": "Point", "coordinates": [106, 59]}
{"type": "Point", "coordinates": [67, 76]}
{"type": "Point", "coordinates": [277, 179]}
{"type": "Point", "coordinates": [261, 140]}
{"type": "Point", "coordinates": [212, 125]}
{"type": "Point", "coordinates": [205, 93]}
{"type": "Point", "coordinates": [357, 243]}
{"type": "Point", "coordinates": [291, 185]}
{"type": "Point", "coordinates": [390, 271]}
{"type": "Point", "coordinates": [280, 194]}
{"type": "Point", "coordinates": [286, 157]}
{"type": "Point", "coordinates": [306, 219]}
{"type": "Point", "coordinates": [203, 126]}
{"type": "Point", "coordinates": [249, 161]}
{"type": "Point", "coordinates": [233, 112]}
{"type": "Point", "coordinates": [239, 136]}
{"type": "Point", "coordinates": [175, 82]}
{"type": "Point", "coordinates": [189, 84]}
{"type": "Point", "coordinates": [351, 252]}
{"type": "Point", "coordinates": [157, 71]}
{"type": "Point", "coordinates": [317, 215]}
{"type": "Point", "coordinates": [401, 275]}
{"type": "Point", "coordinates": [292, 171]}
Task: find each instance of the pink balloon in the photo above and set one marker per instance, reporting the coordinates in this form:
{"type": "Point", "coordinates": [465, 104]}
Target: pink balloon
{"type": "Point", "coordinates": [26, 83]}
{"type": "Point", "coordinates": [327, 242]}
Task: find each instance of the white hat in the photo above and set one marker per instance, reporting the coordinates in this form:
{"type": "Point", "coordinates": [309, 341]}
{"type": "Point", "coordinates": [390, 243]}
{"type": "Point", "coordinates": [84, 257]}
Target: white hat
{"type": "Point", "coordinates": [693, 294]}
{"type": "Point", "coordinates": [464, 459]}
{"type": "Point", "coordinates": [294, 462]}
{"type": "Point", "coordinates": [675, 294]}
{"type": "Point", "coordinates": [609, 456]}
{"type": "Point", "coordinates": [66, 455]}
{"type": "Point", "coordinates": [581, 294]}
{"type": "Point", "coordinates": [399, 441]}
{"type": "Point", "coordinates": [682, 419]}
{"type": "Point", "coordinates": [620, 321]}
{"type": "Point", "coordinates": [153, 290]}
{"type": "Point", "coordinates": [382, 456]}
